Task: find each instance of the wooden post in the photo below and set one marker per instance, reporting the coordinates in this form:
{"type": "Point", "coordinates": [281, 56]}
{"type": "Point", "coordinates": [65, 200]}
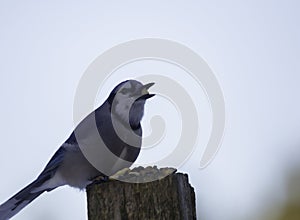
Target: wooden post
{"type": "Point", "coordinates": [171, 197]}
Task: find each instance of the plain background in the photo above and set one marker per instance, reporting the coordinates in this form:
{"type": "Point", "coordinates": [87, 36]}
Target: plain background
{"type": "Point", "coordinates": [252, 46]}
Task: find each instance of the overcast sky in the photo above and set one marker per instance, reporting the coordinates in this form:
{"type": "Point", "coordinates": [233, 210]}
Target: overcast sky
{"type": "Point", "coordinates": [251, 46]}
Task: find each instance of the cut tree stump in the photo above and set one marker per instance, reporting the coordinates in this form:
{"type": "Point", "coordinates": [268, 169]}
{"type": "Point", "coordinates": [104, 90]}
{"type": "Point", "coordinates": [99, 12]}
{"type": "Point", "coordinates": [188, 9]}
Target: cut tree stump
{"type": "Point", "coordinates": [170, 197]}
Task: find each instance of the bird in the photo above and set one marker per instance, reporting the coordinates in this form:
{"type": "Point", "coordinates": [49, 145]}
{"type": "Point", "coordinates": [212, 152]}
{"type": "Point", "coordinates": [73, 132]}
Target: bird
{"type": "Point", "coordinates": [106, 141]}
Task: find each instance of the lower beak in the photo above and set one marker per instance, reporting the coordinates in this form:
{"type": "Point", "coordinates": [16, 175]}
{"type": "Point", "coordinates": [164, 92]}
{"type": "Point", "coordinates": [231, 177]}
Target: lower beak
{"type": "Point", "coordinates": [148, 96]}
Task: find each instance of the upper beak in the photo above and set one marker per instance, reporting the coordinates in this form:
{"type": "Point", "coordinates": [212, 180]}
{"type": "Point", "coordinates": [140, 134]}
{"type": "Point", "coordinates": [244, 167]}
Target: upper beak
{"type": "Point", "coordinates": [148, 85]}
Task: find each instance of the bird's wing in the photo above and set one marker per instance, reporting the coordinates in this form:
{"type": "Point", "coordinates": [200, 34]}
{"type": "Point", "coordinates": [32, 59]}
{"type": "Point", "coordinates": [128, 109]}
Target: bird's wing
{"type": "Point", "coordinates": [104, 148]}
{"type": "Point", "coordinates": [52, 165]}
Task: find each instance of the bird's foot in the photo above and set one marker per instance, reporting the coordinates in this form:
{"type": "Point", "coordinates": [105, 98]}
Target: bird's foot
{"type": "Point", "coordinates": [119, 173]}
{"type": "Point", "coordinates": [100, 179]}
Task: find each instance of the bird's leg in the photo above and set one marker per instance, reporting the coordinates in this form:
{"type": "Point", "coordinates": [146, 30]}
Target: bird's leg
{"type": "Point", "coordinates": [121, 172]}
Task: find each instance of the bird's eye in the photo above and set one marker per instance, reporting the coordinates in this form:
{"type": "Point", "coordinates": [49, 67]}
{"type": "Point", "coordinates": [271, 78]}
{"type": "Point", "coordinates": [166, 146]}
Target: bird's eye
{"type": "Point", "coordinates": [124, 91]}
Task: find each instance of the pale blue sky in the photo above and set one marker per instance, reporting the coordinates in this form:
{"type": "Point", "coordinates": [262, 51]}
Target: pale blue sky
{"type": "Point", "coordinates": [252, 46]}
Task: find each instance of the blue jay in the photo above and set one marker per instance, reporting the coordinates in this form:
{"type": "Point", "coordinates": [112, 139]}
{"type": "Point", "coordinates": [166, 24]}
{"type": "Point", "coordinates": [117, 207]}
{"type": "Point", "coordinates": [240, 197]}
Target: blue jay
{"type": "Point", "coordinates": [117, 128]}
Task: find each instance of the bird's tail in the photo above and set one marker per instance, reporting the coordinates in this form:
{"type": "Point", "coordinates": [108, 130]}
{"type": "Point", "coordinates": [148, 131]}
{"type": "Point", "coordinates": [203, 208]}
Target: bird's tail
{"type": "Point", "coordinates": [16, 203]}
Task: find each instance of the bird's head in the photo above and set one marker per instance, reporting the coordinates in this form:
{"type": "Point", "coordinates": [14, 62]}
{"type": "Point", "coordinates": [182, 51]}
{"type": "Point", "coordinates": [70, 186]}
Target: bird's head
{"type": "Point", "coordinates": [127, 101]}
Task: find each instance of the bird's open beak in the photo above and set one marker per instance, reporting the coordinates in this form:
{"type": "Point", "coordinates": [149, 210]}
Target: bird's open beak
{"type": "Point", "coordinates": [145, 92]}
